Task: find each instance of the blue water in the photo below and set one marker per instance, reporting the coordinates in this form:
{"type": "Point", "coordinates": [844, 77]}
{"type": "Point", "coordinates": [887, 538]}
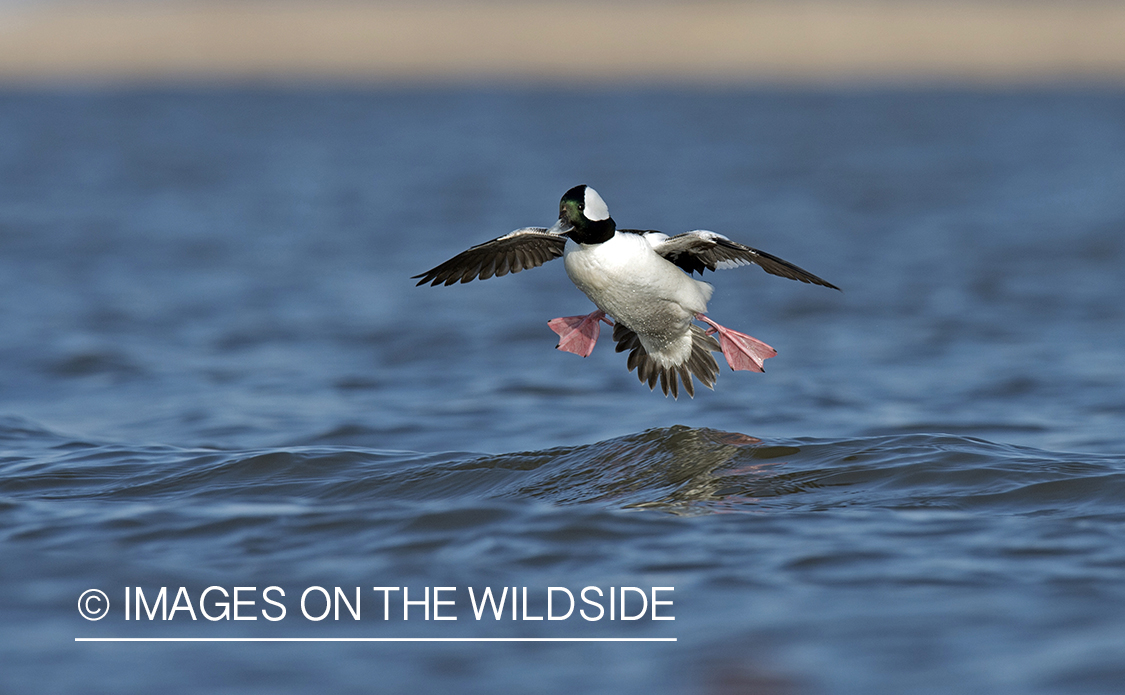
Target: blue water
{"type": "Point", "coordinates": [215, 371]}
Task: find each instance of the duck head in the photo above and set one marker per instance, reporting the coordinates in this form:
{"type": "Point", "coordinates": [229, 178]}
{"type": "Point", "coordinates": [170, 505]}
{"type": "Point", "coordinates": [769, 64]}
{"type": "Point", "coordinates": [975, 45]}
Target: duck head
{"type": "Point", "coordinates": [584, 217]}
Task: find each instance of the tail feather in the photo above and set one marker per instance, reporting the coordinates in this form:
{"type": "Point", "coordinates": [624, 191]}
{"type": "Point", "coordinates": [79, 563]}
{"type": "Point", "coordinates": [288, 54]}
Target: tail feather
{"type": "Point", "coordinates": [685, 377]}
{"type": "Point", "coordinates": [700, 364]}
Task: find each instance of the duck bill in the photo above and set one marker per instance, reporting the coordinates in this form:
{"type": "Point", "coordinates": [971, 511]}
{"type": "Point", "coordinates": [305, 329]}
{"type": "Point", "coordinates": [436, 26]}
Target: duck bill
{"type": "Point", "coordinates": [561, 228]}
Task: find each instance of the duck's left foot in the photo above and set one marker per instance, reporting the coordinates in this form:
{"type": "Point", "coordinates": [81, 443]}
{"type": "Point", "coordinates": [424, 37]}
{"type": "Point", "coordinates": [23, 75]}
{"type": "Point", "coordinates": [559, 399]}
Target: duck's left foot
{"type": "Point", "coordinates": [578, 334]}
{"type": "Point", "coordinates": [743, 352]}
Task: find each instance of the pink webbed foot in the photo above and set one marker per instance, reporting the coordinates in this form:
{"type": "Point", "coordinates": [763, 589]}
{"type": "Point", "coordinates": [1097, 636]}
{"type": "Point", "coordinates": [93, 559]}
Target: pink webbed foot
{"type": "Point", "coordinates": [578, 334]}
{"type": "Point", "coordinates": [743, 352]}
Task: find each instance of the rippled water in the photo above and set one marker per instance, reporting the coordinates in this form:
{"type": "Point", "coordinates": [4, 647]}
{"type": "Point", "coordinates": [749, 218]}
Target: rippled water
{"type": "Point", "coordinates": [215, 371]}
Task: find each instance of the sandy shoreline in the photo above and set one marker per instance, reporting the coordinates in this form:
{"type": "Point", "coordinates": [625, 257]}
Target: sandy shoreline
{"type": "Point", "coordinates": [772, 41]}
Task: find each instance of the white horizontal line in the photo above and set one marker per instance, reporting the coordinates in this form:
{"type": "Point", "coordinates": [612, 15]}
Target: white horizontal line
{"type": "Point", "coordinates": [375, 639]}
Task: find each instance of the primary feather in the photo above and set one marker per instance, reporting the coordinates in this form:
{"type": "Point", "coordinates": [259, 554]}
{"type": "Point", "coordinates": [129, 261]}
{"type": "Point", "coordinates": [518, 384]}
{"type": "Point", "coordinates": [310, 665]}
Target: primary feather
{"type": "Point", "coordinates": [703, 250]}
{"type": "Point", "coordinates": [525, 248]}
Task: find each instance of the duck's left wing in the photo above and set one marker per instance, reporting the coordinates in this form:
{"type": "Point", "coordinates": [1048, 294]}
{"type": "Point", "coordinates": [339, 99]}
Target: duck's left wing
{"type": "Point", "coordinates": [701, 250]}
{"type": "Point", "coordinates": [529, 247]}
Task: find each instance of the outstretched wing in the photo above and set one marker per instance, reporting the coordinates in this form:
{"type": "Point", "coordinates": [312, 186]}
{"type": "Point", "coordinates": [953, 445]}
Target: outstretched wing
{"type": "Point", "coordinates": [529, 247]}
{"type": "Point", "coordinates": [701, 250]}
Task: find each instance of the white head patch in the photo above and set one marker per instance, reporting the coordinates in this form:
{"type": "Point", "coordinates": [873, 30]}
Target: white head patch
{"type": "Point", "coordinates": [595, 208]}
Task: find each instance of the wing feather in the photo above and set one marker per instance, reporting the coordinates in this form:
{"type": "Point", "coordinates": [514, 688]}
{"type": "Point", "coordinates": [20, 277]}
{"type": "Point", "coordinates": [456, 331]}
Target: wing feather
{"type": "Point", "coordinates": [525, 248]}
{"type": "Point", "coordinates": [701, 250]}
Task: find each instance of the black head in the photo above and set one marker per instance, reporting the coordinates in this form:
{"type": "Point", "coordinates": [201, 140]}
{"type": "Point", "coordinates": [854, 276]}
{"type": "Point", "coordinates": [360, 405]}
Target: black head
{"type": "Point", "coordinates": [585, 217]}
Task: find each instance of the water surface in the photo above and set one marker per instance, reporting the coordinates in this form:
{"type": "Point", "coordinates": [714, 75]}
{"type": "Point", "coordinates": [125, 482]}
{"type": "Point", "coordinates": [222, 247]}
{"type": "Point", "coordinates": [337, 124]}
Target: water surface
{"type": "Point", "coordinates": [215, 370]}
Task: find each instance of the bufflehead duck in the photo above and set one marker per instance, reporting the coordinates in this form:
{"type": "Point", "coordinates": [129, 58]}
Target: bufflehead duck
{"type": "Point", "coordinates": [641, 279]}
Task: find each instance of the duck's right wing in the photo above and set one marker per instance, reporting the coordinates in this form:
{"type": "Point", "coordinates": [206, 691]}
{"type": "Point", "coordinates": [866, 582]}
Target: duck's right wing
{"type": "Point", "coordinates": [529, 247]}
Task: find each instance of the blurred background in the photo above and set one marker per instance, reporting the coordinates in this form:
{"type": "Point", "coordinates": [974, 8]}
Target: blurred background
{"type": "Point", "coordinates": [804, 42]}
{"type": "Point", "coordinates": [216, 370]}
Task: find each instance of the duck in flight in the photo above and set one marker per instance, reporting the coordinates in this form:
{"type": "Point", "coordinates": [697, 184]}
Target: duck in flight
{"type": "Point", "coordinates": [642, 284]}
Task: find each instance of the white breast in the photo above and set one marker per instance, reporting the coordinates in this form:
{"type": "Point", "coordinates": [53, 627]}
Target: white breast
{"type": "Point", "coordinates": [629, 281]}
